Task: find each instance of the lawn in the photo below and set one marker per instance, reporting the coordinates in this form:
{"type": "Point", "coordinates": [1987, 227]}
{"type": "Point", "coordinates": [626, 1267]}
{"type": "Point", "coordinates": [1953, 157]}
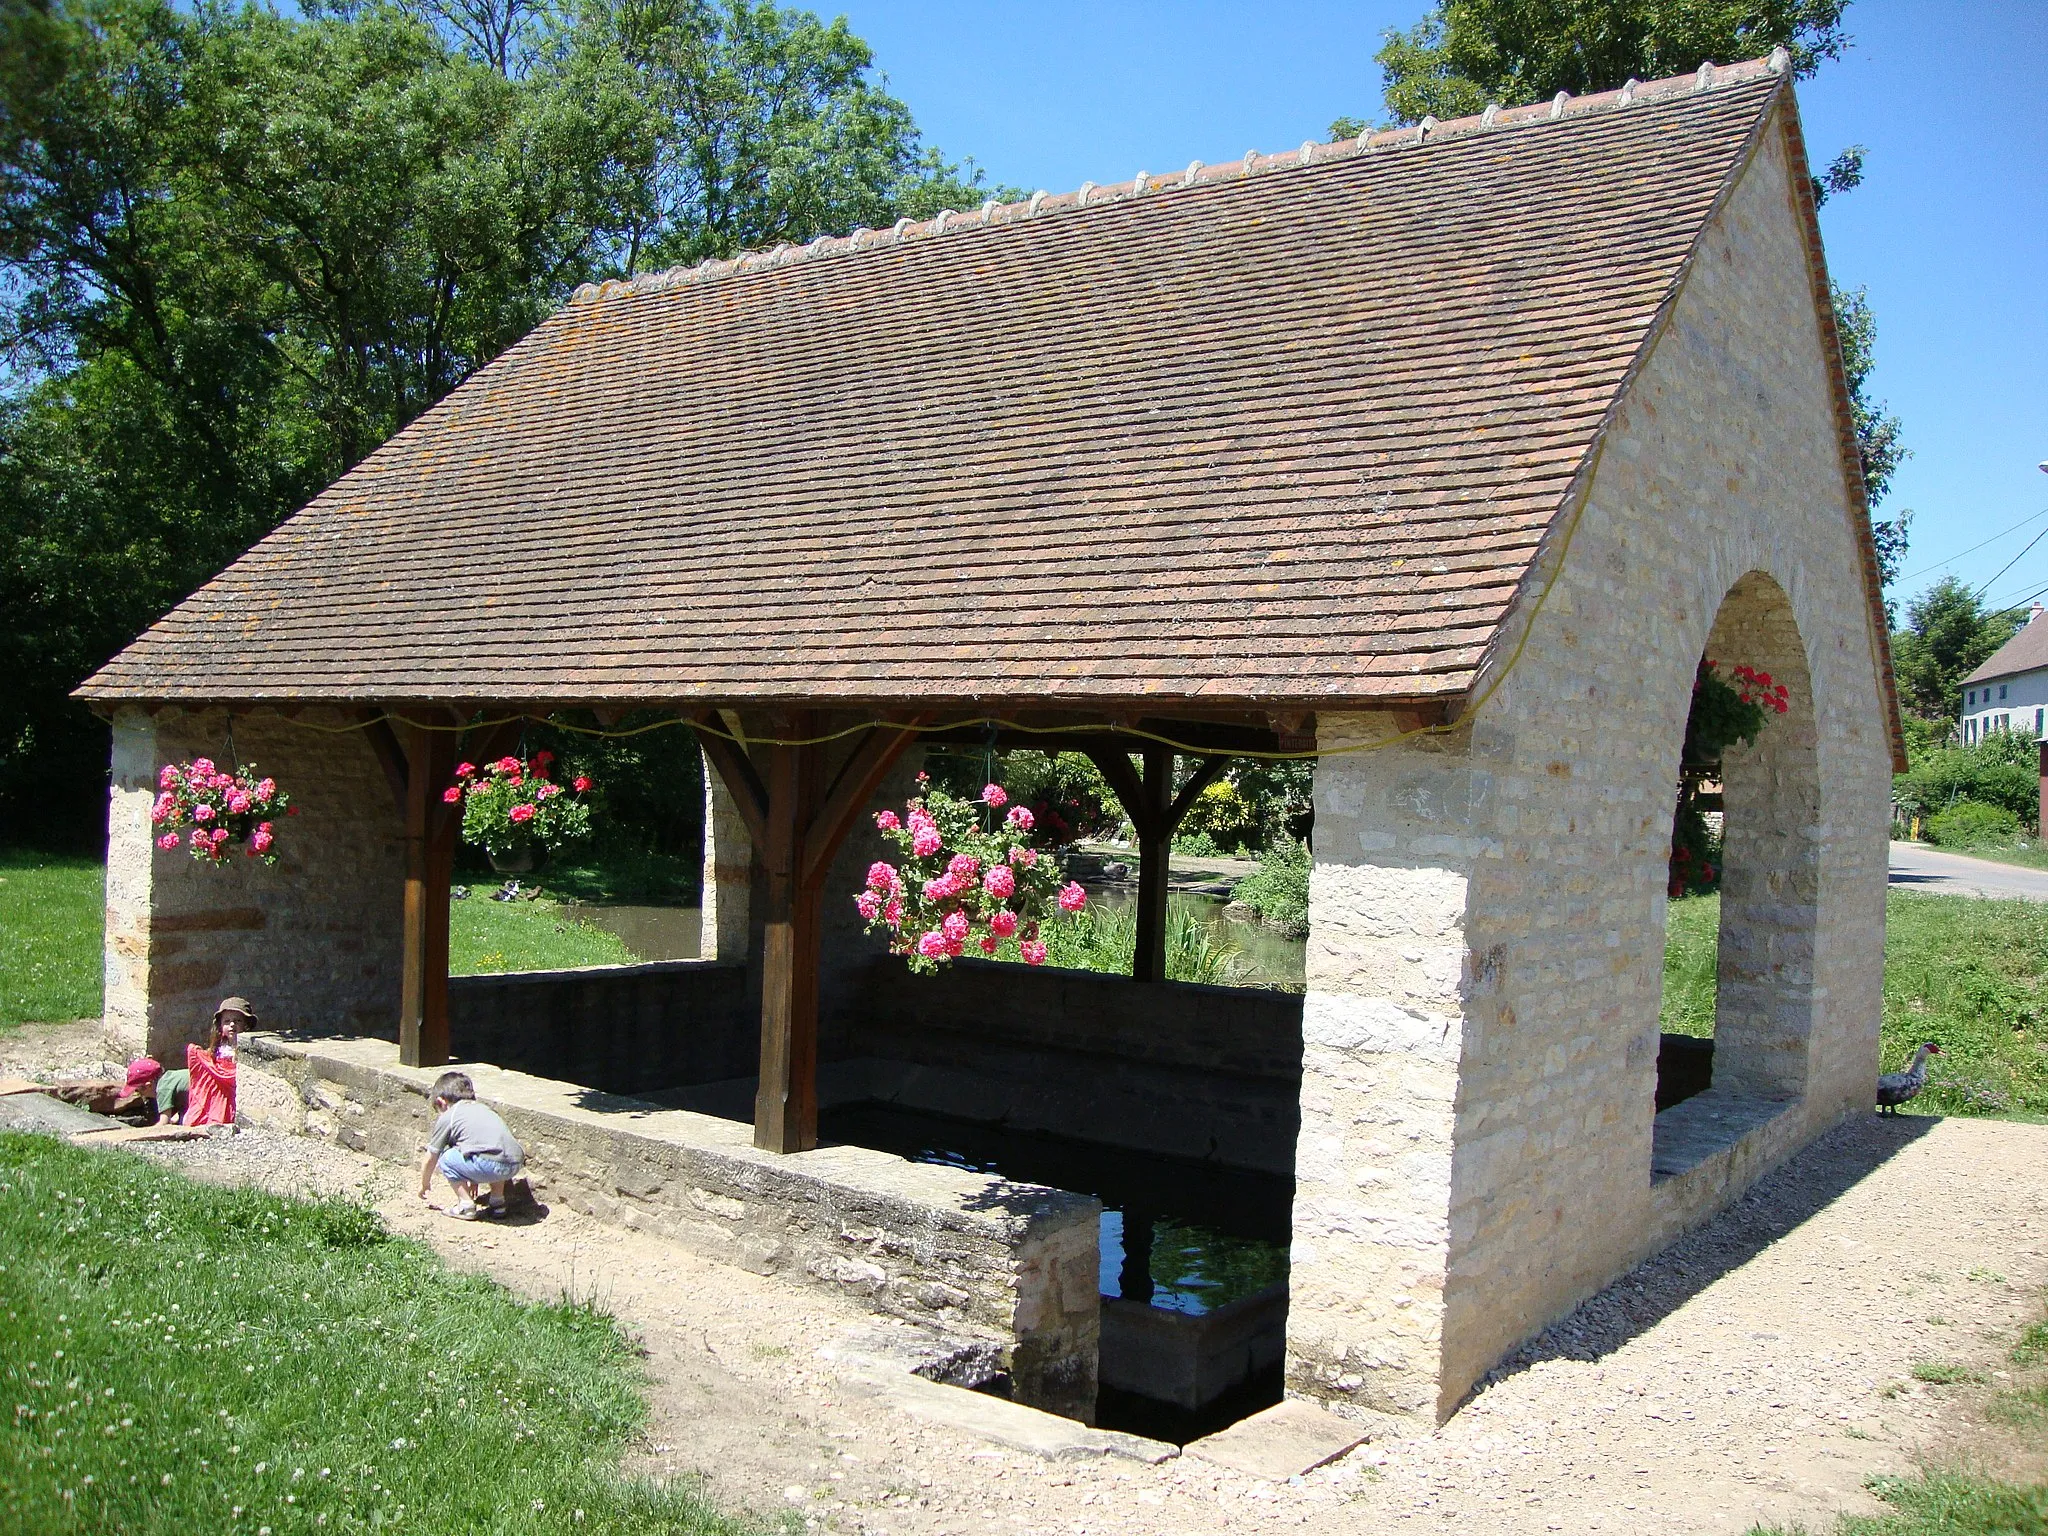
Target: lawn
{"type": "Point", "coordinates": [1970, 975]}
{"type": "Point", "coordinates": [51, 910]}
{"type": "Point", "coordinates": [488, 936]}
{"type": "Point", "coordinates": [185, 1358]}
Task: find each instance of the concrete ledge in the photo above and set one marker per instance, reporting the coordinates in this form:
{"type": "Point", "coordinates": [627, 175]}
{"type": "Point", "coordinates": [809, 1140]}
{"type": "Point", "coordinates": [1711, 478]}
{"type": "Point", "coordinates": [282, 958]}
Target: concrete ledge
{"type": "Point", "coordinates": [966, 1253]}
{"type": "Point", "coordinates": [1191, 1361]}
{"type": "Point", "coordinates": [1709, 1149]}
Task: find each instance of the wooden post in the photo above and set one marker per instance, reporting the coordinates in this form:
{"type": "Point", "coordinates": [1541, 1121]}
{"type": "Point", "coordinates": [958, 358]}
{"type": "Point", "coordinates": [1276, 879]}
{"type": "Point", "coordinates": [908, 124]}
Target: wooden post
{"type": "Point", "coordinates": [1155, 853]}
{"type": "Point", "coordinates": [797, 825]}
{"type": "Point", "coordinates": [429, 862]}
{"type": "Point", "coordinates": [2041, 826]}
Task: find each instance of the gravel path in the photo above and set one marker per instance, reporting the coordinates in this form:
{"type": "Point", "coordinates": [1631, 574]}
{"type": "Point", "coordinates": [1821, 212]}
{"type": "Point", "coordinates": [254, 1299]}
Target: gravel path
{"type": "Point", "coordinates": [1759, 1370]}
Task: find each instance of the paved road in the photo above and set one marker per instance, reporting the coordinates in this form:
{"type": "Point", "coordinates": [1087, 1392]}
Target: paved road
{"type": "Point", "coordinates": [1915, 868]}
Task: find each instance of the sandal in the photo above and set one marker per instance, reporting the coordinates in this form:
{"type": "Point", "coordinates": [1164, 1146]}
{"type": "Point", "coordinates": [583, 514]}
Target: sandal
{"type": "Point", "coordinates": [463, 1210]}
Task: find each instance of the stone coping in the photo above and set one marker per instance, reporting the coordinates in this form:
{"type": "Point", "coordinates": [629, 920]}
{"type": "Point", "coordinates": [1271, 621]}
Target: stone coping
{"type": "Point", "coordinates": [955, 1197]}
{"type": "Point", "coordinates": [571, 972]}
{"type": "Point", "coordinates": [1694, 1130]}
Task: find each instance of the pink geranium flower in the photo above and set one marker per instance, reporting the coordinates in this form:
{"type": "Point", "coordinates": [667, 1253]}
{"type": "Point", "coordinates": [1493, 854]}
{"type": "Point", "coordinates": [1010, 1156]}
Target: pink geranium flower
{"type": "Point", "coordinates": [955, 926]}
{"type": "Point", "coordinates": [202, 812]}
{"type": "Point", "coordinates": [451, 794]}
{"type": "Point", "coordinates": [994, 794]}
{"type": "Point", "coordinates": [1033, 951]}
{"type": "Point", "coordinates": [1072, 897]}
{"type": "Point", "coordinates": [988, 944]}
{"type": "Point", "coordinates": [168, 840]}
{"type": "Point", "coordinates": [1021, 818]}
{"type": "Point", "coordinates": [581, 783]}
{"type": "Point", "coordinates": [1000, 882]}
{"type": "Point", "coordinates": [203, 766]}
{"type": "Point", "coordinates": [964, 866]}
{"type": "Point", "coordinates": [520, 813]}
{"type": "Point", "coordinates": [238, 802]}
{"type": "Point", "coordinates": [465, 770]}
{"type": "Point", "coordinates": [892, 912]}
{"type": "Point", "coordinates": [1002, 924]}
{"type": "Point", "coordinates": [925, 842]}
{"type": "Point", "coordinates": [931, 945]}
{"type": "Point", "coordinates": [261, 842]}
{"type": "Point", "coordinates": [870, 905]}
{"type": "Point", "coordinates": [881, 876]}
{"type": "Point", "coordinates": [885, 821]}
{"type": "Point", "coordinates": [1024, 858]}
{"type": "Point", "coordinates": [266, 789]}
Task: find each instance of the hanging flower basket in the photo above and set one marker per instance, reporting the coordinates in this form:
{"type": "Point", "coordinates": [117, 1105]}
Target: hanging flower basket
{"type": "Point", "coordinates": [211, 811]}
{"type": "Point", "coordinates": [514, 810]}
{"type": "Point", "coordinates": [1725, 711]}
{"type": "Point", "coordinates": [962, 885]}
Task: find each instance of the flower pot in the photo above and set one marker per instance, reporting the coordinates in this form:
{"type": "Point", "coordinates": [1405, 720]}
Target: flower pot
{"type": "Point", "coordinates": [518, 862]}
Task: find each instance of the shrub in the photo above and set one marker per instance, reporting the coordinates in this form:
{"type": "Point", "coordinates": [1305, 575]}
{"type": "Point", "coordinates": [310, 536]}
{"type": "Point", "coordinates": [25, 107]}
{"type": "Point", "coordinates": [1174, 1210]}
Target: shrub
{"type": "Point", "coordinates": [1969, 823]}
{"type": "Point", "coordinates": [2001, 770]}
{"type": "Point", "coordinates": [1279, 891]}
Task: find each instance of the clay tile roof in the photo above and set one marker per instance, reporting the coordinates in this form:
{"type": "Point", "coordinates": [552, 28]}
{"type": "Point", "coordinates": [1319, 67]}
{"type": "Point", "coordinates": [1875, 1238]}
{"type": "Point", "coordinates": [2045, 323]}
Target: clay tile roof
{"type": "Point", "coordinates": [2026, 651]}
{"type": "Point", "coordinates": [1286, 429]}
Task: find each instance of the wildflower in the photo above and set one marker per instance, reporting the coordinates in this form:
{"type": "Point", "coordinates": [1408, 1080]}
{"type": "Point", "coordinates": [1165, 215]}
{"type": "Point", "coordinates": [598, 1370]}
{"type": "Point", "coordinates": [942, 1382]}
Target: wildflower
{"type": "Point", "coordinates": [520, 813]}
{"type": "Point", "coordinates": [1021, 818]}
{"type": "Point", "coordinates": [885, 821]}
{"type": "Point", "coordinates": [1072, 897]}
{"type": "Point", "coordinates": [1033, 951]}
{"type": "Point", "coordinates": [1000, 882]}
{"type": "Point", "coordinates": [994, 794]}
{"type": "Point", "coordinates": [450, 795]}
{"type": "Point", "coordinates": [1002, 924]}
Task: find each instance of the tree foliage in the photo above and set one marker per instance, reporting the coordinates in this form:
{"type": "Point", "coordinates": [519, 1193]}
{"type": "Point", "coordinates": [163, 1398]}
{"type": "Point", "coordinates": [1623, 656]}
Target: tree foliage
{"type": "Point", "coordinates": [1466, 53]}
{"type": "Point", "coordinates": [239, 248]}
{"type": "Point", "coordinates": [1948, 635]}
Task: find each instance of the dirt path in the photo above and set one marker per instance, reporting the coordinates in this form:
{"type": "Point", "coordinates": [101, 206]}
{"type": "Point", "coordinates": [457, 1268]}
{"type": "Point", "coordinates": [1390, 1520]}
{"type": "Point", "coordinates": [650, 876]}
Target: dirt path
{"type": "Point", "coordinates": [1757, 1371]}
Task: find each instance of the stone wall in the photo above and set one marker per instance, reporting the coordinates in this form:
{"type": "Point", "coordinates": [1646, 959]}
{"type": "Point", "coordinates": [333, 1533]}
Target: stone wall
{"type": "Point", "coordinates": [1191, 1071]}
{"type": "Point", "coordinates": [619, 1028]}
{"type": "Point", "coordinates": [1487, 907]}
{"type": "Point", "coordinates": [313, 941]}
{"type": "Point", "coordinates": [969, 1255]}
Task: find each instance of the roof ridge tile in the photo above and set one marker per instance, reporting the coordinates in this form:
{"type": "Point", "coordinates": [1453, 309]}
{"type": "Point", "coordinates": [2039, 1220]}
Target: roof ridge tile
{"type": "Point", "coordinates": [1564, 106]}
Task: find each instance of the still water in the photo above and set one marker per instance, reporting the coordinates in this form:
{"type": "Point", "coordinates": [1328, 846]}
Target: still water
{"type": "Point", "coordinates": [1179, 1235]}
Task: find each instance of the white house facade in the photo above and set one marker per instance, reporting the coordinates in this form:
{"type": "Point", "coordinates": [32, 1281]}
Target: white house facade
{"type": "Point", "coordinates": [2009, 692]}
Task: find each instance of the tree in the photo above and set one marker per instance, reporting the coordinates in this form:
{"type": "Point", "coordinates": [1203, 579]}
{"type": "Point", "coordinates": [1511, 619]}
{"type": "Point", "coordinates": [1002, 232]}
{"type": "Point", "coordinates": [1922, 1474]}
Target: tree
{"type": "Point", "coordinates": [1467, 53]}
{"type": "Point", "coordinates": [239, 248]}
{"type": "Point", "coordinates": [1948, 635]}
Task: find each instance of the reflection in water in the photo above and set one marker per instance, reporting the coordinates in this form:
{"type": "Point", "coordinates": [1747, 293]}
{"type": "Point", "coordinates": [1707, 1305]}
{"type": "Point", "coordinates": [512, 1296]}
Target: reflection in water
{"type": "Point", "coordinates": [650, 933]}
{"type": "Point", "coordinates": [1151, 1249]}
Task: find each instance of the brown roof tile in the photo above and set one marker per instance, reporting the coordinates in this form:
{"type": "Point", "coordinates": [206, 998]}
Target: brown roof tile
{"type": "Point", "coordinates": [2026, 651]}
{"type": "Point", "coordinates": [1285, 431]}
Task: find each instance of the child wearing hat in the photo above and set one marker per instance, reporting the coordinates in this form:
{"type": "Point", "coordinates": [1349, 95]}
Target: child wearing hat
{"type": "Point", "coordinates": [202, 1092]}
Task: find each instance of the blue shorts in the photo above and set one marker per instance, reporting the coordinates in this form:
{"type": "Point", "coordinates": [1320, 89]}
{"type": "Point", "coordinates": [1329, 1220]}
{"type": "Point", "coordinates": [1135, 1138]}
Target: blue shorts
{"type": "Point", "coordinates": [476, 1170]}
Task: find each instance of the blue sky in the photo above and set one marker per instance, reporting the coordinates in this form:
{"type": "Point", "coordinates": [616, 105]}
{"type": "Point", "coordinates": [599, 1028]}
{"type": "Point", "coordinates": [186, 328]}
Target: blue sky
{"type": "Point", "coordinates": [1949, 232]}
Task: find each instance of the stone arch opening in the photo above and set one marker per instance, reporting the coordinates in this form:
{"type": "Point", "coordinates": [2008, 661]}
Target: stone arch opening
{"type": "Point", "coordinates": [1769, 862]}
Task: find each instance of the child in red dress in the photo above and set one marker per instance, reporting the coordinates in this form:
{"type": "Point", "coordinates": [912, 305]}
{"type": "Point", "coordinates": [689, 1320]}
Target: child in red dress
{"type": "Point", "coordinates": [202, 1092]}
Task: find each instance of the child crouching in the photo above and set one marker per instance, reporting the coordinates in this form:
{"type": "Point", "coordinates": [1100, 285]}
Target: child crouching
{"type": "Point", "coordinates": [475, 1150]}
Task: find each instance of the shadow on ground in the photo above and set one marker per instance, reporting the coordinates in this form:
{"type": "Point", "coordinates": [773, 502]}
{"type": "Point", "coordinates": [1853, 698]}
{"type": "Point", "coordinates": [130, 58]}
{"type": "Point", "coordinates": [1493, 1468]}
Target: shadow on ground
{"type": "Point", "coordinates": [1801, 1188]}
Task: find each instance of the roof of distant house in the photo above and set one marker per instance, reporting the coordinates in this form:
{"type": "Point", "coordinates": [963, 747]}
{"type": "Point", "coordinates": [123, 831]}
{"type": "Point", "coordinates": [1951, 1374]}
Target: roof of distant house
{"type": "Point", "coordinates": [1289, 429]}
{"type": "Point", "coordinates": [2026, 651]}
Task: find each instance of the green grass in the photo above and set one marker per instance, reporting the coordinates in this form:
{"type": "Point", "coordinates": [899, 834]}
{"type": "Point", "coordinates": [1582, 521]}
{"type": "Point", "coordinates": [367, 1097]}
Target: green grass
{"type": "Point", "coordinates": [183, 1358]}
{"type": "Point", "coordinates": [487, 936]}
{"type": "Point", "coordinates": [1692, 944]}
{"type": "Point", "coordinates": [1102, 938]}
{"type": "Point", "coordinates": [1944, 1373]}
{"type": "Point", "coordinates": [611, 875]}
{"type": "Point", "coordinates": [52, 909]}
{"type": "Point", "coordinates": [1969, 974]}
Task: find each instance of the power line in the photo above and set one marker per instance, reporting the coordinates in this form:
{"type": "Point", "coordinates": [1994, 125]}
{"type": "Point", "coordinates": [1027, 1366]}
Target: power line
{"type": "Point", "coordinates": [1950, 560]}
{"type": "Point", "coordinates": [2015, 560]}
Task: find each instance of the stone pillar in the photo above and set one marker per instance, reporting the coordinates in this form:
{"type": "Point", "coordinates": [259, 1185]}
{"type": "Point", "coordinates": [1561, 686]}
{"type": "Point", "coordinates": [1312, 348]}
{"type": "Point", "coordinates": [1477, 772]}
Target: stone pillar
{"type": "Point", "coordinates": [131, 847]}
{"type": "Point", "coordinates": [1383, 1030]}
{"type": "Point", "coordinates": [728, 875]}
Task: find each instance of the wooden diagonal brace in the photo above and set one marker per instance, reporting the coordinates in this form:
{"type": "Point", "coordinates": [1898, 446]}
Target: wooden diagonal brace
{"type": "Point", "coordinates": [859, 777]}
{"type": "Point", "coordinates": [749, 794]}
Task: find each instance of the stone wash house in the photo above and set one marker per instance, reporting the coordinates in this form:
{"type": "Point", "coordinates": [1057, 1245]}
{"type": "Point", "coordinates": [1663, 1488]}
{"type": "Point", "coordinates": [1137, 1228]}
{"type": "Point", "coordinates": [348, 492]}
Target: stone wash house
{"type": "Point", "coordinates": [1445, 455]}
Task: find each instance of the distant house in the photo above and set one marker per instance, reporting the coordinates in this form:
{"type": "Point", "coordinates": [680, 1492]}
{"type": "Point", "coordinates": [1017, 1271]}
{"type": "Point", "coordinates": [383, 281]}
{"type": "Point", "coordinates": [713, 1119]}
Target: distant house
{"type": "Point", "coordinates": [2010, 691]}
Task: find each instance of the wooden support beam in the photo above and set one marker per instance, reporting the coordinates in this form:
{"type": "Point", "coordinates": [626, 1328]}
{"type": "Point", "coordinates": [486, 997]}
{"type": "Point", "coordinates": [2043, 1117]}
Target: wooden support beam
{"type": "Point", "coordinates": [1155, 848]}
{"type": "Point", "coordinates": [429, 863]}
{"type": "Point", "coordinates": [797, 824]}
